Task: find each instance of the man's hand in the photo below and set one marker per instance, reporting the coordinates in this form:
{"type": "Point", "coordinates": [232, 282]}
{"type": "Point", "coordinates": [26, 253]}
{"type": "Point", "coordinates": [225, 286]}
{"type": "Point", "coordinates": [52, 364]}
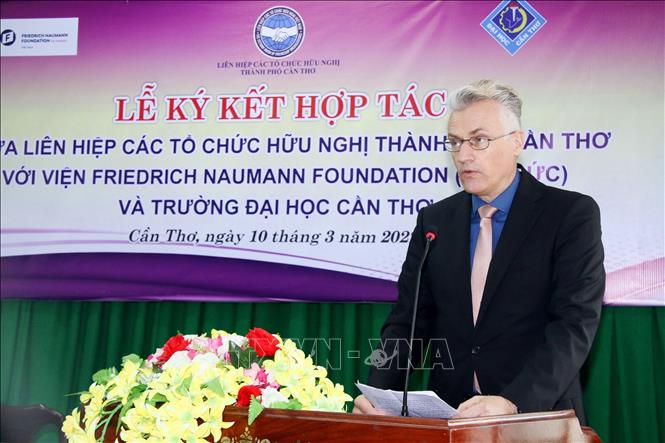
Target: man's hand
{"type": "Point", "coordinates": [485, 405]}
{"type": "Point", "coordinates": [362, 406]}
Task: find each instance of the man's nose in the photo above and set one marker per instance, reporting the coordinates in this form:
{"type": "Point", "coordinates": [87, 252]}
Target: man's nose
{"type": "Point", "coordinates": [466, 152]}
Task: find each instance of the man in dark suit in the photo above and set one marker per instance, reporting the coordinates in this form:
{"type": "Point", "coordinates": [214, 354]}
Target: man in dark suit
{"type": "Point", "coordinates": [512, 288]}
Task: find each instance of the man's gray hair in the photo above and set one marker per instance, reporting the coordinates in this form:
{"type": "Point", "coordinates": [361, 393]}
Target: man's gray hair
{"type": "Point", "coordinates": [489, 90]}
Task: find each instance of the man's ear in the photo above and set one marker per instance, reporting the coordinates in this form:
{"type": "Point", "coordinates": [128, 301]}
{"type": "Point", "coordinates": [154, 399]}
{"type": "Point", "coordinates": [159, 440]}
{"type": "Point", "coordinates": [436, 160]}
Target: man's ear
{"type": "Point", "coordinates": [518, 142]}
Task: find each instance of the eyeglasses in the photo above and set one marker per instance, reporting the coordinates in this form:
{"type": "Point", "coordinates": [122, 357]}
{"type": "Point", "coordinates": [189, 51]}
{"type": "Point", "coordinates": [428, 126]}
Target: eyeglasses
{"type": "Point", "coordinates": [477, 143]}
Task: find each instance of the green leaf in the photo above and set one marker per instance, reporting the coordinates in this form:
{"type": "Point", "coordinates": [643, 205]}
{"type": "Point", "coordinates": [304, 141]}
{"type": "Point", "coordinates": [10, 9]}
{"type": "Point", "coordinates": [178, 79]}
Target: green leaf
{"type": "Point", "coordinates": [123, 412]}
{"type": "Point", "coordinates": [103, 376]}
{"type": "Point", "coordinates": [132, 358]}
{"type": "Point", "coordinates": [157, 399]}
{"type": "Point", "coordinates": [247, 357]}
{"type": "Point", "coordinates": [135, 393]}
{"type": "Point", "coordinates": [291, 404]}
{"type": "Point", "coordinates": [183, 389]}
{"type": "Point", "coordinates": [279, 404]}
{"type": "Point", "coordinates": [215, 386]}
{"type": "Point", "coordinates": [243, 358]}
{"type": "Point", "coordinates": [107, 415]}
{"type": "Point", "coordinates": [255, 409]}
{"type": "Point", "coordinates": [234, 354]}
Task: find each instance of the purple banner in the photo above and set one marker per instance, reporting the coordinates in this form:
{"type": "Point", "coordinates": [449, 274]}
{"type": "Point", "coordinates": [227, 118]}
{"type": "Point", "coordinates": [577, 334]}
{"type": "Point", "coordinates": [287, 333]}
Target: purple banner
{"type": "Point", "coordinates": [123, 277]}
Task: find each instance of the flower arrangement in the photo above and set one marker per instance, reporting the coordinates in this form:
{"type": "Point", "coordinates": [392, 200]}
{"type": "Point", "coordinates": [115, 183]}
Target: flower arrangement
{"type": "Point", "coordinates": [179, 393]}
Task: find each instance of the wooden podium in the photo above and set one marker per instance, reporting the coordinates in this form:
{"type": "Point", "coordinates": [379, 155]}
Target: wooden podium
{"type": "Point", "coordinates": [283, 426]}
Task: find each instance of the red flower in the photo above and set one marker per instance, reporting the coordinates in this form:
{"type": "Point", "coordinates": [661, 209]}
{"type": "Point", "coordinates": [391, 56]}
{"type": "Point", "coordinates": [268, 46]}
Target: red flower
{"type": "Point", "coordinates": [173, 345]}
{"type": "Point", "coordinates": [263, 342]}
{"type": "Point", "coordinates": [246, 393]}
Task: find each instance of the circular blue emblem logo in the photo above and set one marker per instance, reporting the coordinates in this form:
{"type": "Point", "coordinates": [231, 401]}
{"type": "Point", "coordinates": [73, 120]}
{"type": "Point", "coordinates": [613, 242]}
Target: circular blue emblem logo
{"type": "Point", "coordinates": [8, 37]}
{"type": "Point", "coordinates": [279, 31]}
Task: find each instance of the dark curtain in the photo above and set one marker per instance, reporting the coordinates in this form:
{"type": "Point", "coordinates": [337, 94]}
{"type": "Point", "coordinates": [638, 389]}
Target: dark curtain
{"type": "Point", "coordinates": [51, 348]}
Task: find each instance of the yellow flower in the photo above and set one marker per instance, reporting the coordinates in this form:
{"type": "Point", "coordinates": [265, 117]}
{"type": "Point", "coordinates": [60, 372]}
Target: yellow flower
{"type": "Point", "coordinates": [212, 423]}
{"type": "Point", "coordinates": [290, 367]}
{"type": "Point", "coordinates": [122, 384]}
{"type": "Point", "coordinates": [71, 426]}
{"type": "Point", "coordinates": [132, 436]}
{"type": "Point", "coordinates": [173, 383]}
{"type": "Point", "coordinates": [184, 400]}
{"type": "Point", "coordinates": [74, 432]}
{"type": "Point", "coordinates": [218, 333]}
{"type": "Point", "coordinates": [93, 401]}
{"type": "Point", "coordinates": [177, 415]}
{"type": "Point", "coordinates": [333, 397]}
{"type": "Point", "coordinates": [141, 418]}
{"type": "Point", "coordinates": [232, 379]}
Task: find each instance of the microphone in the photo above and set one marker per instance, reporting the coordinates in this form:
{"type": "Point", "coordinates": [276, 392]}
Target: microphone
{"type": "Point", "coordinates": [430, 235]}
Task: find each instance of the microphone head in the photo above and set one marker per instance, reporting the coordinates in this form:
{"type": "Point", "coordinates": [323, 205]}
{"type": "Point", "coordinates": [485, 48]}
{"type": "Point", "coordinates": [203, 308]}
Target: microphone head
{"type": "Point", "coordinates": [431, 233]}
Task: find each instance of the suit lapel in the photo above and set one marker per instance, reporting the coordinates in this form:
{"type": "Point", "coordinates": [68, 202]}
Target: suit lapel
{"type": "Point", "coordinates": [457, 252]}
{"type": "Point", "coordinates": [523, 214]}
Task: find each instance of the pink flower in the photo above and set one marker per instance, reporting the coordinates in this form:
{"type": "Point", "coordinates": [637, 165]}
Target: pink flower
{"type": "Point", "coordinates": [257, 374]}
{"type": "Point", "coordinates": [260, 376]}
{"type": "Point", "coordinates": [215, 343]}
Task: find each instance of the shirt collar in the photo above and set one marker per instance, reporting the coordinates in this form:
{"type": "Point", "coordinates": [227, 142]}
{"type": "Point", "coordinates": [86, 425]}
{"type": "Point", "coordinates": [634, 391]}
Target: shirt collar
{"type": "Point", "coordinates": [502, 202]}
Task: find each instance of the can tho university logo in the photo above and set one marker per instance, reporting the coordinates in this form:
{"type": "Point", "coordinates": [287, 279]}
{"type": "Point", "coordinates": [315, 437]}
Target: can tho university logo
{"type": "Point", "coordinates": [512, 24]}
{"type": "Point", "coordinates": [279, 32]}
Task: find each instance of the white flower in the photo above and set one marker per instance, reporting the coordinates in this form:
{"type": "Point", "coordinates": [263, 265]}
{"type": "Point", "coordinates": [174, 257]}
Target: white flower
{"type": "Point", "coordinates": [197, 342]}
{"type": "Point", "coordinates": [207, 359]}
{"type": "Point", "coordinates": [178, 360]}
{"type": "Point", "coordinates": [270, 396]}
{"type": "Point", "coordinates": [205, 364]}
{"type": "Point", "coordinates": [227, 339]}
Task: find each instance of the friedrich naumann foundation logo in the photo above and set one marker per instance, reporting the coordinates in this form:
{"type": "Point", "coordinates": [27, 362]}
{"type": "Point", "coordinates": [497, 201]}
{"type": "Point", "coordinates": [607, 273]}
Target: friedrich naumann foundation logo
{"type": "Point", "coordinates": [7, 37]}
{"type": "Point", "coordinates": [279, 32]}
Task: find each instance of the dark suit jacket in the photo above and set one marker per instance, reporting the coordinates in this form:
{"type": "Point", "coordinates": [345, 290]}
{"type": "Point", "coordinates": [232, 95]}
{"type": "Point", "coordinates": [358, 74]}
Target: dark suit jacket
{"type": "Point", "coordinates": [540, 309]}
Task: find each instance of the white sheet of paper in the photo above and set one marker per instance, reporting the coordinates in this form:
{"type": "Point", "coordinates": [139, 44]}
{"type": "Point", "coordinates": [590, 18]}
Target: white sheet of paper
{"type": "Point", "coordinates": [424, 404]}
